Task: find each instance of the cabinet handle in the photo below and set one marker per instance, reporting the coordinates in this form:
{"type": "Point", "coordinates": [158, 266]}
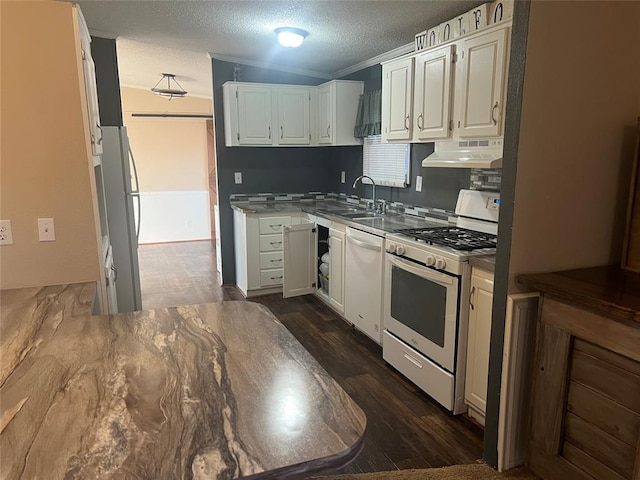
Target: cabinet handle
{"type": "Point", "coordinates": [275, 227]}
{"type": "Point", "coordinates": [495, 122]}
{"type": "Point", "coordinates": [473, 292]}
{"type": "Point", "coordinates": [100, 139]}
{"type": "Point", "coordinates": [279, 260]}
{"type": "Point", "coordinates": [418, 122]}
{"type": "Point", "coordinates": [406, 123]}
{"type": "Point", "coordinates": [274, 244]}
{"type": "Point", "coordinates": [276, 278]}
{"type": "Point", "coordinates": [269, 132]}
{"type": "Point", "coordinates": [328, 132]}
{"type": "Point", "coordinates": [115, 273]}
{"type": "Point", "coordinates": [93, 139]}
{"type": "Point", "coordinates": [281, 132]}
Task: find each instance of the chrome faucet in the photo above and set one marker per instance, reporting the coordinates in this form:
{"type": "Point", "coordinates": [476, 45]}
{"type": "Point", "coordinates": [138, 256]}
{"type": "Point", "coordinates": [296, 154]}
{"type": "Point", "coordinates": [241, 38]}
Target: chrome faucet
{"type": "Point", "coordinates": [355, 182]}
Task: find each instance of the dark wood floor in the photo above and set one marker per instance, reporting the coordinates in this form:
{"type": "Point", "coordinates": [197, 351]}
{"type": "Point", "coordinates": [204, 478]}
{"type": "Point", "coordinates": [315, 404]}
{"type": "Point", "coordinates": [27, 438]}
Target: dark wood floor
{"type": "Point", "coordinates": [406, 429]}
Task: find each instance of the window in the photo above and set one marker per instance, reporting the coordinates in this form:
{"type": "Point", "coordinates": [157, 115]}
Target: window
{"type": "Point", "coordinates": [386, 163]}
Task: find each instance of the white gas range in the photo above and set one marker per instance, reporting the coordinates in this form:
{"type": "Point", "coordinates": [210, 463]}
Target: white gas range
{"type": "Point", "coordinates": [427, 292]}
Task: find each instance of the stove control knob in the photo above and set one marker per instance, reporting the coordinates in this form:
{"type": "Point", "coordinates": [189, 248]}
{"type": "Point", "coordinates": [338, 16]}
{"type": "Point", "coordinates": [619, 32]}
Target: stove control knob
{"type": "Point", "coordinates": [391, 248]}
{"type": "Point", "coordinates": [430, 260]}
{"type": "Point", "coordinates": [440, 263]}
{"type": "Point", "coordinates": [400, 250]}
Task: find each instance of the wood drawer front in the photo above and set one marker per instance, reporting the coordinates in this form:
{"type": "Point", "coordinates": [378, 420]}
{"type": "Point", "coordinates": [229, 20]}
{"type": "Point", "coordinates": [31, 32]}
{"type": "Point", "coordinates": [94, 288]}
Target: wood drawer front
{"type": "Point", "coordinates": [271, 260]}
{"type": "Point", "coordinates": [273, 224]}
{"type": "Point", "coordinates": [270, 243]}
{"type": "Point", "coordinates": [271, 277]}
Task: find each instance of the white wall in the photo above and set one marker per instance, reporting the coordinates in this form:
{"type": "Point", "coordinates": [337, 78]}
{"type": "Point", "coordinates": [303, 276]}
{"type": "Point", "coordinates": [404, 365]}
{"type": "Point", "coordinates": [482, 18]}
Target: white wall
{"type": "Point", "coordinates": [171, 156]}
{"type": "Point", "coordinates": [581, 89]}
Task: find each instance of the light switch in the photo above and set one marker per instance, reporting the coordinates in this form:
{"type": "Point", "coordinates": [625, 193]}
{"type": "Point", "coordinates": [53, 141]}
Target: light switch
{"type": "Point", "coordinates": [343, 176]}
{"type": "Point", "coordinates": [238, 177]}
{"type": "Point", "coordinates": [419, 183]}
{"type": "Point", "coordinates": [46, 230]}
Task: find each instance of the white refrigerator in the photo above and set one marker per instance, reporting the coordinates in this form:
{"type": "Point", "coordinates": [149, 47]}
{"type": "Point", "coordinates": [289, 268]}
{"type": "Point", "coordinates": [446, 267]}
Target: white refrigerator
{"type": "Point", "coordinates": [123, 215]}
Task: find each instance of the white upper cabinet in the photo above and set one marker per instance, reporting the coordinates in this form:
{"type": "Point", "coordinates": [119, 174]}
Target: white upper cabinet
{"type": "Point", "coordinates": [433, 94]}
{"type": "Point", "coordinates": [337, 111]}
{"type": "Point", "coordinates": [260, 114]}
{"type": "Point", "coordinates": [452, 91]}
{"type": "Point", "coordinates": [482, 84]}
{"type": "Point", "coordinates": [91, 91]}
{"type": "Point", "coordinates": [294, 115]}
{"type": "Point", "coordinates": [397, 99]}
{"type": "Point", "coordinates": [254, 115]}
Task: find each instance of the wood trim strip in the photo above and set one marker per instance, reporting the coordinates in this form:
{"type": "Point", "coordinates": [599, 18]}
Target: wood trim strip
{"type": "Point", "coordinates": [636, 466]}
{"type": "Point", "coordinates": [550, 388]}
{"type": "Point", "coordinates": [608, 356]}
{"type": "Point", "coordinates": [593, 328]}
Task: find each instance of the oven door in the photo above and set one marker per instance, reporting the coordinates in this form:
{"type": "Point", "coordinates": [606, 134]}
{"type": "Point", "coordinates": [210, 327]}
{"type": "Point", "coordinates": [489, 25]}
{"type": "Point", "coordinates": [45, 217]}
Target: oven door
{"type": "Point", "coordinates": [421, 308]}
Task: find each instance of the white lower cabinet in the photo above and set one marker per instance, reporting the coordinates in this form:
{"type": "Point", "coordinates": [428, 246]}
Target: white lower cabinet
{"type": "Point", "coordinates": [336, 242]}
{"type": "Point", "coordinates": [479, 339]}
{"type": "Point", "coordinates": [259, 253]}
{"type": "Point", "coordinates": [364, 266]}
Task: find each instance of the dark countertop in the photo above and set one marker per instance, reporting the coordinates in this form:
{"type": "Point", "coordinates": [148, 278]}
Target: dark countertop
{"type": "Point", "coordinates": [607, 290]}
{"type": "Point", "coordinates": [220, 390]}
{"type": "Point", "coordinates": [485, 262]}
{"type": "Point", "coordinates": [378, 225]}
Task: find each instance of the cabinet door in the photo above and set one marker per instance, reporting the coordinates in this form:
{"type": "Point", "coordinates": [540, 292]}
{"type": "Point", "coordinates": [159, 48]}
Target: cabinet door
{"type": "Point", "coordinates": [294, 116]}
{"type": "Point", "coordinates": [324, 115]}
{"type": "Point", "coordinates": [479, 339]}
{"type": "Point", "coordinates": [91, 94]}
{"type": "Point", "coordinates": [300, 246]}
{"type": "Point", "coordinates": [433, 94]}
{"type": "Point", "coordinates": [397, 99]}
{"type": "Point", "coordinates": [482, 85]}
{"type": "Point", "coordinates": [336, 273]}
{"type": "Point", "coordinates": [254, 115]}
{"type": "Point", "coordinates": [364, 259]}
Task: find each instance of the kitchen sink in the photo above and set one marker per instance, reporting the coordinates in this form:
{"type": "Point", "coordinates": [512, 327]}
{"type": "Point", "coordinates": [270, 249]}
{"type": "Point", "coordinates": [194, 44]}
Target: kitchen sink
{"type": "Point", "coordinates": [359, 215]}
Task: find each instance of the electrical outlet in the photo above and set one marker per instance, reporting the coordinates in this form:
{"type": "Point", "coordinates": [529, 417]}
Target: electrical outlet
{"type": "Point", "coordinates": [238, 177]}
{"type": "Point", "coordinates": [6, 236]}
{"type": "Point", "coordinates": [46, 230]}
{"type": "Point", "coordinates": [343, 176]}
{"type": "Point", "coordinates": [419, 183]}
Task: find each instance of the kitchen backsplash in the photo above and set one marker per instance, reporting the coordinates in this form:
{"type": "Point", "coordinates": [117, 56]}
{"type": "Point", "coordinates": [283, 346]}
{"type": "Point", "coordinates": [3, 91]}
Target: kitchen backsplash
{"type": "Point", "coordinates": [484, 179]}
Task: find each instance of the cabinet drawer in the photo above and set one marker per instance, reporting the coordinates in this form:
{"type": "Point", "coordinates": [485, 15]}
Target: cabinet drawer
{"type": "Point", "coordinates": [270, 243]}
{"type": "Point", "coordinates": [273, 224]}
{"type": "Point", "coordinates": [420, 370]}
{"type": "Point", "coordinates": [271, 277]}
{"type": "Point", "coordinates": [271, 260]}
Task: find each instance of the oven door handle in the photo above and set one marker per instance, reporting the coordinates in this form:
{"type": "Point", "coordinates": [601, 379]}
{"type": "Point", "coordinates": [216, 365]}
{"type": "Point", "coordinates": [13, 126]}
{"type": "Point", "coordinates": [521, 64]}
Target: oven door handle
{"type": "Point", "coordinates": [423, 272]}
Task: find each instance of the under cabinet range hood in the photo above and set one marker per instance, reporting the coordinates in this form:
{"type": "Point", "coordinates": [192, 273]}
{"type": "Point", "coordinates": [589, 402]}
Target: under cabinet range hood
{"type": "Point", "coordinates": [482, 153]}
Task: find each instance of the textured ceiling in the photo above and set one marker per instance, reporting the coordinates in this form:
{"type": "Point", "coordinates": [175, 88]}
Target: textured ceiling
{"type": "Point", "coordinates": [341, 33]}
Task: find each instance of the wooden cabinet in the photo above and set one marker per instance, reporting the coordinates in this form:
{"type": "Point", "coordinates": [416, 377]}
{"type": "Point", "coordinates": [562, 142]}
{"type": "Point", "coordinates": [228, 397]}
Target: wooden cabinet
{"type": "Point", "coordinates": [294, 115]}
{"type": "Point", "coordinates": [258, 114]}
{"type": "Point", "coordinates": [364, 266]}
{"type": "Point", "coordinates": [482, 84]}
{"type": "Point", "coordinates": [336, 112]}
{"type": "Point", "coordinates": [585, 401]}
{"type": "Point", "coordinates": [478, 343]}
{"type": "Point", "coordinates": [397, 100]}
{"type": "Point", "coordinates": [456, 90]}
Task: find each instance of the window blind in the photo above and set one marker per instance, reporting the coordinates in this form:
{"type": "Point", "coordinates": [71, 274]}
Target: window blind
{"type": "Point", "coordinates": [386, 163]}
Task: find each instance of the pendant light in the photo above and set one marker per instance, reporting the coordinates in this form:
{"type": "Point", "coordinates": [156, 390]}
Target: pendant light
{"type": "Point", "coordinates": [170, 91]}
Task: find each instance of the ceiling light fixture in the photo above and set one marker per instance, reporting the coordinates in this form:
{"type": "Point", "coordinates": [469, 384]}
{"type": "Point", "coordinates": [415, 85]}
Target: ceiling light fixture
{"type": "Point", "coordinates": [290, 37]}
{"type": "Point", "coordinates": [169, 91]}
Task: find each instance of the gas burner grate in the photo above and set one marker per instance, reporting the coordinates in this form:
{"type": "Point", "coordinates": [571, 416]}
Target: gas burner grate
{"type": "Point", "coordinates": [453, 237]}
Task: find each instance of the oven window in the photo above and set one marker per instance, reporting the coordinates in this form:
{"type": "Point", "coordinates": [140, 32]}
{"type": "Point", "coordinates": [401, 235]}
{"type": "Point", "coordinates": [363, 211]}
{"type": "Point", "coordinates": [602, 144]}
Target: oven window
{"type": "Point", "coordinates": [419, 304]}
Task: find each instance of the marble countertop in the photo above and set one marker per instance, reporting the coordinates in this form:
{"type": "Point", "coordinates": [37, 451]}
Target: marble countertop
{"type": "Point", "coordinates": [219, 390]}
{"type": "Point", "coordinates": [378, 225]}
